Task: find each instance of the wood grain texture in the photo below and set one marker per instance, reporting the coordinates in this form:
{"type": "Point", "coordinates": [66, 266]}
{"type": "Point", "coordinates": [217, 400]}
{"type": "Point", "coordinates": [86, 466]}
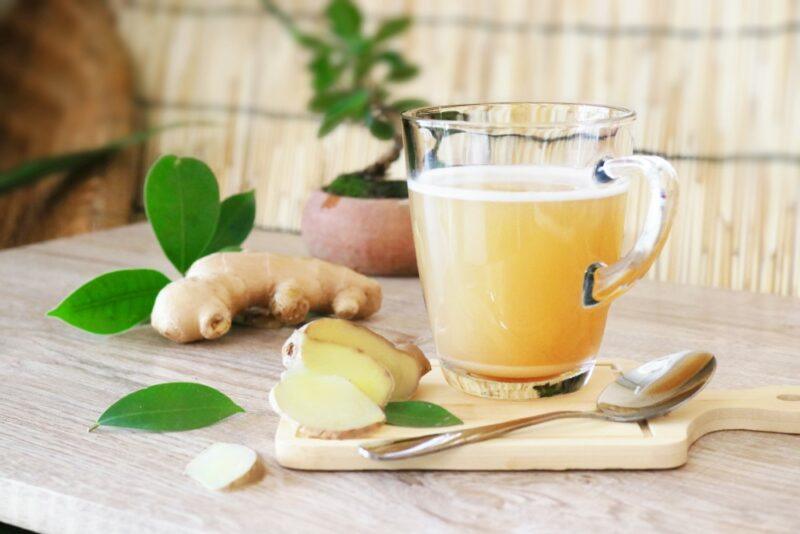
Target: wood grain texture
{"type": "Point", "coordinates": [714, 84]}
{"type": "Point", "coordinates": [66, 84]}
{"type": "Point", "coordinates": [661, 443]}
{"type": "Point", "coordinates": [56, 477]}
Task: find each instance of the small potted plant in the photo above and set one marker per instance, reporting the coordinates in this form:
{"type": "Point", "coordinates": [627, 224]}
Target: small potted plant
{"type": "Point", "coordinates": [361, 219]}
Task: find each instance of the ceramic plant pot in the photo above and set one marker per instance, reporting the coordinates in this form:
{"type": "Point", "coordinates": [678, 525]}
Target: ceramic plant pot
{"type": "Point", "coordinates": [369, 235]}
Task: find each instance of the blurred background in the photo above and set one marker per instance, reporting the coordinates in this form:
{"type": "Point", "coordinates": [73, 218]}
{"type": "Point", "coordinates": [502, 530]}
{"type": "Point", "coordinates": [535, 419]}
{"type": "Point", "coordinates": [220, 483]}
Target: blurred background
{"type": "Point", "coordinates": [715, 85]}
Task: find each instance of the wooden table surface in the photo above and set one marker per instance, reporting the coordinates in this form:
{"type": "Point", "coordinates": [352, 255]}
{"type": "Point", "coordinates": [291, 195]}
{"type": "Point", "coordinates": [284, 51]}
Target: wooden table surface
{"type": "Point", "coordinates": [55, 380]}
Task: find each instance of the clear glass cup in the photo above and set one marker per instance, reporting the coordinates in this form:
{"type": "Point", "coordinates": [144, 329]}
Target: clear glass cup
{"type": "Point", "coordinates": [518, 213]}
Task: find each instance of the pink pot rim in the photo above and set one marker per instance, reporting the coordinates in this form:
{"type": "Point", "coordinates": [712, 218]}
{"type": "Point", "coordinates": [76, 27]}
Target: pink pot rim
{"type": "Point", "coordinates": [361, 199]}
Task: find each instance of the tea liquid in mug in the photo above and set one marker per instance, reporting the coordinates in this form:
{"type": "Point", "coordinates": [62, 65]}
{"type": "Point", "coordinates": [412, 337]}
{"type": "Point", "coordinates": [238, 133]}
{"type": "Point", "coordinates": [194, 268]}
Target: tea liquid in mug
{"type": "Point", "coordinates": [502, 253]}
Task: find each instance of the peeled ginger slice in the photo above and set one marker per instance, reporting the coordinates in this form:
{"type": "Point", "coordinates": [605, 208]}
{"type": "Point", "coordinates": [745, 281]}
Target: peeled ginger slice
{"type": "Point", "coordinates": [406, 363]}
{"type": "Point", "coordinates": [331, 359]}
{"type": "Point", "coordinates": [325, 406]}
{"type": "Point", "coordinates": [222, 464]}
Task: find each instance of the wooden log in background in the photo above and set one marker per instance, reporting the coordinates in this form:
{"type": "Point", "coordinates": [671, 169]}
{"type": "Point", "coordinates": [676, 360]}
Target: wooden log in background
{"type": "Point", "coordinates": [65, 84]}
{"type": "Point", "coordinates": [714, 82]}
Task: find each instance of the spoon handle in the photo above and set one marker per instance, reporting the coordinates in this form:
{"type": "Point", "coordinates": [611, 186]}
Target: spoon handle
{"type": "Point", "coordinates": [421, 445]}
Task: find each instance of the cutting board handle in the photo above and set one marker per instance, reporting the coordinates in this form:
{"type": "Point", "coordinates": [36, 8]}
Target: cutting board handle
{"type": "Point", "coordinates": [765, 409]}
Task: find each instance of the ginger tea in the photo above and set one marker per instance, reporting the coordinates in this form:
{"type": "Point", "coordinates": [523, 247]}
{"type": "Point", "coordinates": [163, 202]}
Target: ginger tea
{"type": "Point", "coordinates": [502, 252]}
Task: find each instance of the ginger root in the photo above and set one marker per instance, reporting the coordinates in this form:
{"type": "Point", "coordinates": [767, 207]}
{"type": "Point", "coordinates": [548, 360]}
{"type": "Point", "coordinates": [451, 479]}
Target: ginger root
{"type": "Point", "coordinates": [221, 286]}
{"type": "Point", "coordinates": [325, 406]}
{"type": "Point", "coordinates": [406, 363]}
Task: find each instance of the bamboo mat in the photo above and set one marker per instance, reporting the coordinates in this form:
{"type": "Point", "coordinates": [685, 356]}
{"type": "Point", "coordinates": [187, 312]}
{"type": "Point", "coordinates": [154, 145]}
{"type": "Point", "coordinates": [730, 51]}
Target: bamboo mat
{"type": "Point", "coordinates": [715, 84]}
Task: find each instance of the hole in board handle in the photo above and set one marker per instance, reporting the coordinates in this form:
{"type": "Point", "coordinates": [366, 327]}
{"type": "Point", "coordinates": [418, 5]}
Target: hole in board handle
{"type": "Point", "coordinates": [788, 397]}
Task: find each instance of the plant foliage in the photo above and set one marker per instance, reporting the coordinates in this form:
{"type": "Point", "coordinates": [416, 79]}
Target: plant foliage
{"type": "Point", "coordinates": [352, 70]}
{"type": "Point", "coordinates": [183, 207]}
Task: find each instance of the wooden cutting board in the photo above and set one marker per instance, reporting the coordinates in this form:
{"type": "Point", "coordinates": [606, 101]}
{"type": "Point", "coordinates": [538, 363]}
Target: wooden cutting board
{"type": "Point", "coordinates": [569, 444]}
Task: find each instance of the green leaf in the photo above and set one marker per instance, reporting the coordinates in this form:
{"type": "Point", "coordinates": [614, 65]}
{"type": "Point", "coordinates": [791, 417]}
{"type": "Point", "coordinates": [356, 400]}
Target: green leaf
{"type": "Point", "coordinates": [390, 189]}
{"type": "Point", "coordinates": [381, 129]}
{"type": "Point", "coordinates": [112, 302]}
{"type": "Point", "coordinates": [356, 185]}
{"type": "Point", "coordinates": [325, 73]}
{"type": "Point", "coordinates": [181, 198]}
{"type": "Point", "coordinates": [419, 414]}
{"type": "Point", "coordinates": [364, 61]}
{"type": "Point", "coordinates": [311, 42]}
{"type": "Point", "coordinates": [236, 217]}
{"type": "Point", "coordinates": [352, 106]}
{"type": "Point", "coordinates": [344, 17]}
{"type": "Point", "coordinates": [323, 101]}
{"type": "Point", "coordinates": [409, 103]}
{"type": "Point", "coordinates": [170, 407]}
{"type": "Point", "coordinates": [391, 27]}
{"type": "Point", "coordinates": [349, 185]}
{"type": "Point", "coordinates": [234, 248]}
{"type": "Point", "coordinates": [399, 69]}
{"type": "Point", "coordinates": [38, 168]}
{"type": "Point", "coordinates": [400, 74]}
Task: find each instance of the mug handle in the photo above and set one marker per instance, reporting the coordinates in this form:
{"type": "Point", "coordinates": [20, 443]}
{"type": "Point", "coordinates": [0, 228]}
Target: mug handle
{"type": "Point", "coordinates": [606, 282]}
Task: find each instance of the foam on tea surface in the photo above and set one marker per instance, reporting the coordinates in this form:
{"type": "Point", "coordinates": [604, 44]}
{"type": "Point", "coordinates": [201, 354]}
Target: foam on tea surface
{"type": "Point", "coordinates": [514, 183]}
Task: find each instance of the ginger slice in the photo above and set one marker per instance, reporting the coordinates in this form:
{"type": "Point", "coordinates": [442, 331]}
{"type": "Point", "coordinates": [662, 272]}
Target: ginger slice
{"type": "Point", "coordinates": [406, 363]}
{"type": "Point", "coordinates": [325, 406]}
{"type": "Point", "coordinates": [223, 465]}
{"type": "Point", "coordinates": [331, 359]}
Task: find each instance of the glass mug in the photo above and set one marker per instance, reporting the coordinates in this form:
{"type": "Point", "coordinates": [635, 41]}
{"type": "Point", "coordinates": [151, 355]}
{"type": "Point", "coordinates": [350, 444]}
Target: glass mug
{"type": "Point", "coordinates": [518, 214]}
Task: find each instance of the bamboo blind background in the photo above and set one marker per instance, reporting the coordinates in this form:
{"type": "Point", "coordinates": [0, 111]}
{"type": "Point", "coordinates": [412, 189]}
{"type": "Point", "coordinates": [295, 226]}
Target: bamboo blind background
{"type": "Point", "coordinates": [715, 83]}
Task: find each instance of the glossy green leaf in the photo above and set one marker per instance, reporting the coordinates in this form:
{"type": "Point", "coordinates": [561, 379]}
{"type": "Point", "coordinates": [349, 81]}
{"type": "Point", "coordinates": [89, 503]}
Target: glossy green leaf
{"type": "Point", "coordinates": [419, 414]}
{"type": "Point", "coordinates": [363, 63]}
{"type": "Point", "coordinates": [38, 168]}
{"type": "Point", "coordinates": [352, 106]}
{"type": "Point", "coordinates": [409, 103]}
{"type": "Point", "coordinates": [312, 43]}
{"type": "Point", "coordinates": [381, 129]}
{"type": "Point", "coordinates": [402, 73]}
{"type": "Point", "coordinates": [112, 302]}
{"type": "Point", "coordinates": [360, 46]}
{"type": "Point", "coordinates": [170, 407]}
{"type": "Point", "coordinates": [399, 68]}
{"type": "Point", "coordinates": [323, 101]}
{"type": "Point", "coordinates": [325, 73]}
{"type": "Point", "coordinates": [344, 18]}
{"type": "Point", "coordinates": [181, 198]}
{"type": "Point", "coordinates": [236, 218]}
{"type": "Point", "coordinates": [355, 185]}
{"type": "Point", "coordinates": [391, 27]}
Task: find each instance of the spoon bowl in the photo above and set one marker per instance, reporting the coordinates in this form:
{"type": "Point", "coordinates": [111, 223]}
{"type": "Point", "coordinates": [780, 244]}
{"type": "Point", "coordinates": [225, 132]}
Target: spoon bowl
{"type": "Point", "coordinates": [650, 390]}
{"type": "Point", "coordinates": [656, 387]}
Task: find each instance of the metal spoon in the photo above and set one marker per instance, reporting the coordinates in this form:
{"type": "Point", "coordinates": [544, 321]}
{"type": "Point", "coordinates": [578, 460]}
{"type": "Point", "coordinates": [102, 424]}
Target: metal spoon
{"type": "Point", "coordinates": [648, 391]}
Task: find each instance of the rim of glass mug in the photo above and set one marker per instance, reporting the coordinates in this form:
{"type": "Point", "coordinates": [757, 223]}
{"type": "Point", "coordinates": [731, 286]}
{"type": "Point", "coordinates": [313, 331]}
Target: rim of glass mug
{"type": "Point", "coordinates": [607, 115]}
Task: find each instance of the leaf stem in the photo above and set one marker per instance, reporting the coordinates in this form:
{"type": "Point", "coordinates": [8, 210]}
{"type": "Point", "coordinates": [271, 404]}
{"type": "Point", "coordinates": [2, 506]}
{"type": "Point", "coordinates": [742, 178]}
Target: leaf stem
{"type": "Point", "coordinates": [93, 427]}
{"type": "Point", "coordinates": [290, 25]}
{"type": "Point", "coordinates": [35, 169]}
{"type": "Point", "coordinates": [281, 15]}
